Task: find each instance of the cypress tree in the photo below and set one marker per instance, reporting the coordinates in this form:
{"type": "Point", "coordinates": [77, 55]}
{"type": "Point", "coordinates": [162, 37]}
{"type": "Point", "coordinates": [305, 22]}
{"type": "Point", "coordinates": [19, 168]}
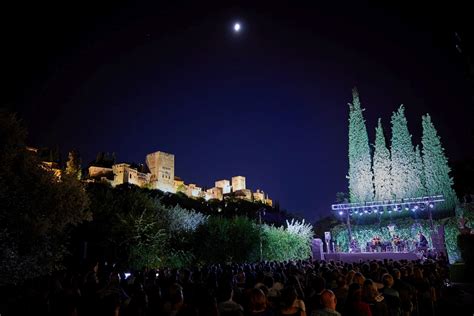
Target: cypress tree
{"type": "Point", "coordinates": [381, 167]}
{"type": "Point", "coordinates": [360, 176]}
{"type": "Point", "coordinates": [73, 164]}
{"type": "Point", "coordinates": [436, 166]}
{"type": "Point", "coordinates": [420, 173]}
{"type": "Point", "coordinates": [404, 181]}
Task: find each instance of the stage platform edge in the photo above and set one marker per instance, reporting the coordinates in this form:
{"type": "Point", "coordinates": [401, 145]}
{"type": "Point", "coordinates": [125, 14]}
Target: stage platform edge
{"type": "Point", "coordinates": [368, 256]}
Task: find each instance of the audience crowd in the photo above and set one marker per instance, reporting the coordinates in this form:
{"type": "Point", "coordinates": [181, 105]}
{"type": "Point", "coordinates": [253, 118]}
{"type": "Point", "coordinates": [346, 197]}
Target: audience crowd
{"type": "Point", "coordinates": [301, 287]}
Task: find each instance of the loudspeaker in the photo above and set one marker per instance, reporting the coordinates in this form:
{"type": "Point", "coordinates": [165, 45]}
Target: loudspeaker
{"type": "Point", "coordinates": [317, 249]}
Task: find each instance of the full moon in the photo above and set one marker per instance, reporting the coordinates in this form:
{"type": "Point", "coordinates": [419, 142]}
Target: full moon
{"type": "Point", "coordinates": [236, 27]}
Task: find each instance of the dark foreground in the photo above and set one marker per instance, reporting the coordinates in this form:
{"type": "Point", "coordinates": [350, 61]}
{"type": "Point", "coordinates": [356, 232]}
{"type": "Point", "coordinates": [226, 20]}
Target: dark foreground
{"type": "Point", "coordinates": [272, 288]}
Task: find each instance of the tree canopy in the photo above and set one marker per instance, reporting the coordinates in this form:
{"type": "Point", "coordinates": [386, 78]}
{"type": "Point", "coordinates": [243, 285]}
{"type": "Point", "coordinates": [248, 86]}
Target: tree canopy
{"type": "Point", "coordinates": [38, 208]}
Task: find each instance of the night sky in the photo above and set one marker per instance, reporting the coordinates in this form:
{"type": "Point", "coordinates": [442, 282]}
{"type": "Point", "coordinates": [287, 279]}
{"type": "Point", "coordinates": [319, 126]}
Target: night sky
{"type": "Point", "coordinates": [269, 103]}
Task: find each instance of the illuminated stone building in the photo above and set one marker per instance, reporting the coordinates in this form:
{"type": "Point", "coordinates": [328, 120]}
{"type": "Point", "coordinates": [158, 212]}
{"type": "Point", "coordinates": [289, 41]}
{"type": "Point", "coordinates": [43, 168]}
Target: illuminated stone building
{"type": "Point", "coordinates": [259, 196]}
{"type": "Point", "coordinates": [238, 183]}
{"type": "Point", "coordinates": [244, 194]}
{"type": "Point", "coordinates": [52, 167]}
{"type": "Point", "coordinates": [99, 172]}
{"type": "Point", "coordinates": [162, 177]}
{"type": "Point", "coordinates": [161, 166]}
{"type": "Point", "coordinates": [214, 193]}
{"type": "Point", "coordinates": [194, 191]}
{"type": "Point", "coordinates": [224, 185]}
{"type": "Point", "coordinates": [123, 173]}
{"type": "Point", "coordinates": [179, 185]}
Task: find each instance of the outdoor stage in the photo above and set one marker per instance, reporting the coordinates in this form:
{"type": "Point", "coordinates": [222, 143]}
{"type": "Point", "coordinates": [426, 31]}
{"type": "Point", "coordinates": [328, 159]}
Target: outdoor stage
{"type": "Point", "coordinates": [367, 256]}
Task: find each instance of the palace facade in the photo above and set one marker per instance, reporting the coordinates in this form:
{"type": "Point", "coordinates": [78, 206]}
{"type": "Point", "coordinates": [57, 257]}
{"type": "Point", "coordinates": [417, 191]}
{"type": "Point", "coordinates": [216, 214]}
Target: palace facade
{"type": "Point", "coordinates": [159, 174]}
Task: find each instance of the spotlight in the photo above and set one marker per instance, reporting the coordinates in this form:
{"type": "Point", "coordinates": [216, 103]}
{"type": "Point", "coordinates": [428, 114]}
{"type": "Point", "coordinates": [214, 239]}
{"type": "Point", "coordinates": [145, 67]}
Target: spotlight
{"type": "Point", "coordinates": [366, 211]}
{"type": "Point", "coordinates": [389, 211]}
{"type": "Point", "coordinates": [356, 211]}
{"type": "Point", "coordinates": [431, 205]}
{"type": "Point", "coordinates": [406, 208]}
{"type": "Point", "coordinates": [341, 212]}
{"type": "Point", "coordinates": [376, 211]}
{"type": "Point", "coordinates": [415, 207]}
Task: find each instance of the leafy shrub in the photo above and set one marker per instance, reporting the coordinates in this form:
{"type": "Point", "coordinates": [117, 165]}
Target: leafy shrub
{"type": "Point", "coordinates": [292, 242]}
{"type": "Point", "coordinates": [226, 240]}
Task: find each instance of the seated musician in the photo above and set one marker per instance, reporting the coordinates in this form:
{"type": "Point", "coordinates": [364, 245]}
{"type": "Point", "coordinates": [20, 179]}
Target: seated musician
{"type": "Point", "coordinates": [396, 242]}
{"type": "Point", "coordinates": [376, 242]}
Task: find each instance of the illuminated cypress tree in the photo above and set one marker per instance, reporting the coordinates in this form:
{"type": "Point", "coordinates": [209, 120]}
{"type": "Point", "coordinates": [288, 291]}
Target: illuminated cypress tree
{"type": "Point", "coordinates": [404, 181]}
{"type": "Point", "coordinates": [436, 166]}
{"type": "Point", "coordinates": [361, 187]}
{"type": "Point", "coordinates": [381, 166]}
{"type": "Point", "coordinates": [73, 164]}
{"type": "Point", "coordinates": [420, 173]}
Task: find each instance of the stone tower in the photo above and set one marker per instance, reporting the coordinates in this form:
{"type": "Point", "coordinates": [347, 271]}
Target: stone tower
{"type": "Point", "coordinates": [238, 183]}
{"type": "Point", "coordinates": [161, 166]}
{"type": "Point", "coordinates": [224, 185]}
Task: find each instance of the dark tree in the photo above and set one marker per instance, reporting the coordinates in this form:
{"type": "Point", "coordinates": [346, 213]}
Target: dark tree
{"type": "Point", "coordinates": [73, 164]}
{"type": "Point", "coordinates": [37, 211]}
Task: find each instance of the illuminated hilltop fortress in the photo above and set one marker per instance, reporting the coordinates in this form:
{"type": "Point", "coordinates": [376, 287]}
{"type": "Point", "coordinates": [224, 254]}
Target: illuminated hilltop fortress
{"type": "Point", "coordinates": [161, 176]}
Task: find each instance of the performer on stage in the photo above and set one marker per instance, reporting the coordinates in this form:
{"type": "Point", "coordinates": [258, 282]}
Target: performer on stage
{"type": "Point", "coordinates": [396, 242]}
{"type": "Point", "coordinates": [422, 242]}
{"type": "Point", "coordinates": [354, 246]}
{"type": "Point", "coordinates": [376, 243]}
